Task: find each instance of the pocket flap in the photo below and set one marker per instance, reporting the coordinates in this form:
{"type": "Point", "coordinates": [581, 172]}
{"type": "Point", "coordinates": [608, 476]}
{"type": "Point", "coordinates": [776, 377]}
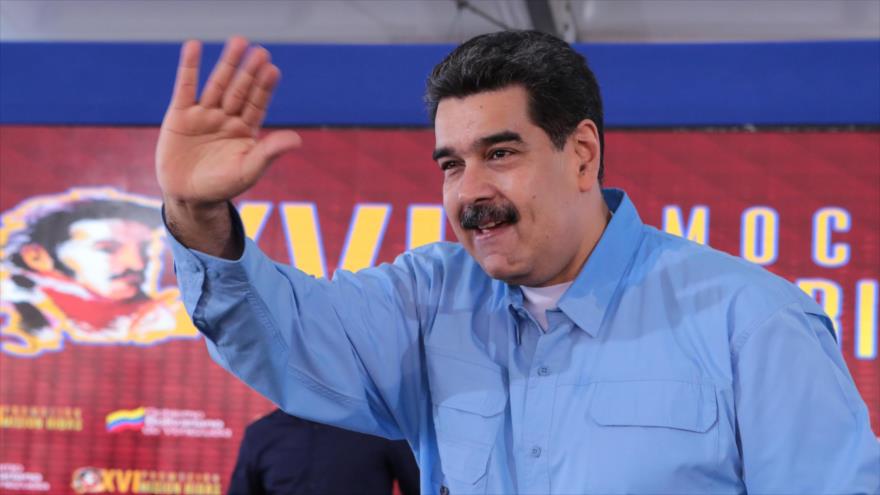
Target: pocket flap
{"type": "Point", "coordinates": [669, 404]}
{"type": "Point", "coordinates": [464, 461]}
{"type": "Point", "coordinates": [487, 402]}
{"type": "Point", "coordinates": [466, 386]}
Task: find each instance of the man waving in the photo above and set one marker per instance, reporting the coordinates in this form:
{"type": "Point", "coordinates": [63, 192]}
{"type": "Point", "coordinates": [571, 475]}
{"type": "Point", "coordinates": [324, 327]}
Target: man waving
{"type": "Point", "coordinates": [562, 347]}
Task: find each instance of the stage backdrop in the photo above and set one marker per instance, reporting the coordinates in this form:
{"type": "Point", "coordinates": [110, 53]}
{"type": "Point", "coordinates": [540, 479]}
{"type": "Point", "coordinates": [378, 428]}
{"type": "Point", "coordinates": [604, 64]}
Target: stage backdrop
{"type": "Point", "coordinates": [117, 392]}
{"type": "Point", "coordinates": [105, 386]}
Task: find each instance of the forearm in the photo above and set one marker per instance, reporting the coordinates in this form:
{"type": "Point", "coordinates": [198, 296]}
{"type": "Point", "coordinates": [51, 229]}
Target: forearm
{"type": "Point", "coordinates": [251, 313]}
{"type": "Point", "coordinates": [250, 310]}
{"type": "Point", "coordinates": [205, 227]}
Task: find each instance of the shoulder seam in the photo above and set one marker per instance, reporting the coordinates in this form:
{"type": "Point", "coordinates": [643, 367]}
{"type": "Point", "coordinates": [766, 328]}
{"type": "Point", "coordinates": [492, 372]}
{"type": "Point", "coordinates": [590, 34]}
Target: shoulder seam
{"type": "Point", "coordinates": [738, 344]}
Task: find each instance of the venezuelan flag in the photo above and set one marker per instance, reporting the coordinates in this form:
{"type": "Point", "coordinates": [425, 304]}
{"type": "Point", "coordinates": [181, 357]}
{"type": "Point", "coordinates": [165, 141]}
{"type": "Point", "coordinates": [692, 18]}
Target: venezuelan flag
{"type": "Point", "coordinates": [126, 419]}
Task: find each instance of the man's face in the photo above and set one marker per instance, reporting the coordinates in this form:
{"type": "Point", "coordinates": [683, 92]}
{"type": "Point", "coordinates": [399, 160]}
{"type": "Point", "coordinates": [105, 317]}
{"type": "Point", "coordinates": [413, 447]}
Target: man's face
{"type": "Point", "coordinates": [511, 196]}
{"type": "Point", "coordinates": [107, 256]}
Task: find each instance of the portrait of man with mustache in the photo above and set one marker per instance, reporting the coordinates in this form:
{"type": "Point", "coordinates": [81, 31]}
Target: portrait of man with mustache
{"type": "Point", "coordinates": [85, 267]}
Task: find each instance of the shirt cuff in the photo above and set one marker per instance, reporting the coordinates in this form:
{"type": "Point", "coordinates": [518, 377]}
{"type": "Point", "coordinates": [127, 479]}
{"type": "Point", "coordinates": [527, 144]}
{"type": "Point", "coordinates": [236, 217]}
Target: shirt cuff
{"type": "Point", "coordinates": [192, 266]}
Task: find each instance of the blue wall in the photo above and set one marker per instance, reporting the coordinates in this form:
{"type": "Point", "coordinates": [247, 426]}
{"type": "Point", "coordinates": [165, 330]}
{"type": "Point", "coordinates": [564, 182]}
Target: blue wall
{"type": "Point", "coordinates": [804, 83]}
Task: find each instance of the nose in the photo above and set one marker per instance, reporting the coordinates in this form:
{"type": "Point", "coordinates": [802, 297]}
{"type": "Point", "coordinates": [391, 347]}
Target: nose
{"type": "Point", "coordinates": [131, 257]}
{"type": "Point", "coordinates": [475, 185]}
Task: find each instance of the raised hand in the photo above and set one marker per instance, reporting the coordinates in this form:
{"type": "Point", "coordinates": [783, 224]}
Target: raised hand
{"type": "Point", "coordinates": [209, 149]}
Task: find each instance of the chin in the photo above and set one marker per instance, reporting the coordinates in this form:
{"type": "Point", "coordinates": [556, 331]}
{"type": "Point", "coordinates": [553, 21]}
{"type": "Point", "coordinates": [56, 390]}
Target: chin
{"type": "Point", "coordinates": [123, 293]}
{"type": "Point", "coordinates": [504, 271]}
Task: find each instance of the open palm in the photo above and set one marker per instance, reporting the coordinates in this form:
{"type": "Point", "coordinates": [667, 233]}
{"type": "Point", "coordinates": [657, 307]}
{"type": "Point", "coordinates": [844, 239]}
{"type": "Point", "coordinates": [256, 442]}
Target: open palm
{"type": "Point", "coordinates": [209, 150]}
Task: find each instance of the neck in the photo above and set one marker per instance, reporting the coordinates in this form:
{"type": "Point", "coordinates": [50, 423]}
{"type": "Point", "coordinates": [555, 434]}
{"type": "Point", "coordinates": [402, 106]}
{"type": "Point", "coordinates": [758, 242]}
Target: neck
{"type": "Point", "coordinates": [595, 223]}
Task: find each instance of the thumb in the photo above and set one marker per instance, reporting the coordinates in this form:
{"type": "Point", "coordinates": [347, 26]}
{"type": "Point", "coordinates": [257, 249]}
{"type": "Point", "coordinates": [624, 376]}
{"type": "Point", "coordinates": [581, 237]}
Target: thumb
{"type": "Point", "coordinates": [267, 149]}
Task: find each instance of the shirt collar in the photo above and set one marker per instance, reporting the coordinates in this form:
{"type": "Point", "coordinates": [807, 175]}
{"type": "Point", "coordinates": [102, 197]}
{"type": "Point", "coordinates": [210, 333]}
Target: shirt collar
{"type": "Point", "coordinates": [586, 301]}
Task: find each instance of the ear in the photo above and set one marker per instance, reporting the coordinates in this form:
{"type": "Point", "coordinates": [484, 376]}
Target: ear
{"type": "Point", "coordinates": [585, 140]}
{"type": "Point", "coordinates": [37, 258]}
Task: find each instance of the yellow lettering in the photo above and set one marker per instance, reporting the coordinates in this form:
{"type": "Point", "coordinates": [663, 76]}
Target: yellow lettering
{"type": "Point", "coordinates": [108, 479]}
{"type": "Point", "coordinates": [826, 253]}
{"type": "Point", "coordinates": [364, 236]}
{"type": "Point", "coordinates": [866, 319]}
{"type": "Point", "coordinates": [303, 241]}
{"type": "Point", "coordinates": [829, 295]}
{"type": "Point", "coordinates": [22, 423]}
{"type": "Point", "coordinates": [425, 225]}
{"type": "Point", "coordinates": [62, 423]}
{"type": "Point", "coordinates": [697, 227]}
{"type": "Point", "coordinates": [136, 481]}
{"type": "Point", "coordinates": [253, 217]}
{"type": "Point", "coordinates": [123, 480]}
{"type": "Point", "coordinates": [760, 235]}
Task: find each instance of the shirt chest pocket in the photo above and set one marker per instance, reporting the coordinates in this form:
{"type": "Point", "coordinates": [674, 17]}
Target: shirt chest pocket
{"type": "Point", "coordinates": [650, 429]}
{"type": "Point", "coordinates": [665, 404]}
{"type": "Point", "coordinates": [469, 400]}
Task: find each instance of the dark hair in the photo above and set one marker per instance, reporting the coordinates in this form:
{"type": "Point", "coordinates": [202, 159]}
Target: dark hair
{"type": "Point", "coordinates": [562, 89]}
{"type": "Point", "coordinates": [51, 230]}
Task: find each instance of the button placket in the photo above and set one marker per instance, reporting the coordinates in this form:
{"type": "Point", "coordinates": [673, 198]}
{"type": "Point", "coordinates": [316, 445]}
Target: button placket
{"type": "Point", "coordinates": [543, 376]}
{"type": "Point", "coordinates": [538, 409]}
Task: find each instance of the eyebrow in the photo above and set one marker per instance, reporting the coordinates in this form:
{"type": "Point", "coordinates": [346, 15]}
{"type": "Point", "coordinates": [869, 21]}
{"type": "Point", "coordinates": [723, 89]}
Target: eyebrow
{"type": "Point", "coordinates": [498, 137]}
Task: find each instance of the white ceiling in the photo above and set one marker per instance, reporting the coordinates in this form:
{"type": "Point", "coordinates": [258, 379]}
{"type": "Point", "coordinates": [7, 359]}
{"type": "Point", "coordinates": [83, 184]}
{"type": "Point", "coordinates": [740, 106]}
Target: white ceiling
{"type": "Point", "coordinates": [435, 21]}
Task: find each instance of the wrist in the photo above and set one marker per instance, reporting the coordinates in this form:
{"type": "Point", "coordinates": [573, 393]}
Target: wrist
{"type": "Point", "coordinates": [196, 210]}
{"type": "Point", "coordinates": [205, 227]}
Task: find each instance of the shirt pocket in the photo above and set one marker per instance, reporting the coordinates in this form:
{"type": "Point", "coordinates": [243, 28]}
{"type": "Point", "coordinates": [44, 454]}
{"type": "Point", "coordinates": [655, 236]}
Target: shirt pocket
{"type": "Point", "coordinates": [652, 433]}
{"type": "Point", "coordinates": [469, 400]}
{"type": "Point", "coordinates": [659, 404]}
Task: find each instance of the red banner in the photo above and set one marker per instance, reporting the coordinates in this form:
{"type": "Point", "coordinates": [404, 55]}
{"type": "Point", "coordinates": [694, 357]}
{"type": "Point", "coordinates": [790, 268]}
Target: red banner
{"type": "Point", "coordinates": [106, 386]}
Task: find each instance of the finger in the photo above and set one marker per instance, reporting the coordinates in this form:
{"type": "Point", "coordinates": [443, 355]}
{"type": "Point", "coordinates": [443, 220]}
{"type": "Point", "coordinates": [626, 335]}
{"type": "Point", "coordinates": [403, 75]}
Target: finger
{"type": "Point", "coordinates": [240, 87]}
{"type": "Point", "coordinates": [219, 79]}
{"type": "Point", "coordinates": [261, 93]}
{"type": "Point", "coordinates": [268, 149]}
{"type": "Point", "coordinates": [187, 79]}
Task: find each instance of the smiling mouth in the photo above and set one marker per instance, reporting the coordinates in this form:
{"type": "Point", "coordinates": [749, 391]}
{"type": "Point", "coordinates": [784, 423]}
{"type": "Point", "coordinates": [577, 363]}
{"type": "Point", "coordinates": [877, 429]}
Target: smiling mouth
{"type": "Point", "coordinates": [488, 226]}
{"type": "Point", "coordinates": [491, 228]}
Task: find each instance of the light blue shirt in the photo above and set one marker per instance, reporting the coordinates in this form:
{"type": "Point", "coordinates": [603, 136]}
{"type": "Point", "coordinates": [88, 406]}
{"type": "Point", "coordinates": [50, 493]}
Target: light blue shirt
{"type": "Point", "coordinates": [668, 367]}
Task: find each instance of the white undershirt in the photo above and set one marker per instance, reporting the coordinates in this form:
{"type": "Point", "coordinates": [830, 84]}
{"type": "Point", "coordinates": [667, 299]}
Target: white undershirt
{"type": "Point", "coordinates": [539, 299]}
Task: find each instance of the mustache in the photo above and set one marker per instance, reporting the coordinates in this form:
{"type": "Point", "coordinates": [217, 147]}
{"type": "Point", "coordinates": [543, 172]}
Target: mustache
{"type": "Point", "coordinates": [472, 216]}
{"type": "Point", "coordinates": [127, 273]}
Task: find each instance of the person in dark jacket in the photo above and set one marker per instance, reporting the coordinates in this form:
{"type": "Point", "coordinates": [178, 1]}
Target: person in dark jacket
{"type": "Point", "coordinates": [283, 454]}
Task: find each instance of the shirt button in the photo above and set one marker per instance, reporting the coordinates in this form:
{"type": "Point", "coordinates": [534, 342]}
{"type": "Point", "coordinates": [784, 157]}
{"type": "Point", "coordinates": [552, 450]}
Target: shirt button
{"type": "Point", "coordinates": [536, 451]}
{"type": "Point", "coordinates": [543, 371]}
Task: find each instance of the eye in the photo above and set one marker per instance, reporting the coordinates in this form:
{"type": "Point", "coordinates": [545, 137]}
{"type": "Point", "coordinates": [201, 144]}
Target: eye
{"type": "Point", "coordinates": [108, 247]}
{"type": "Point", "coordinates": [448, 165]}
{"type": "Point", "coordinates": [499, 154]}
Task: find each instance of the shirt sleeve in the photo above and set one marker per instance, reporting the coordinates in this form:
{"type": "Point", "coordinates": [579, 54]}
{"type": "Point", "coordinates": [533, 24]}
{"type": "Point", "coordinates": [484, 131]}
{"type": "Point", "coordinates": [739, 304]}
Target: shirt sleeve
{"type": "Point", "coordinates": [345, 353]}
{"type": "Point", "coordinates": [802, 426]}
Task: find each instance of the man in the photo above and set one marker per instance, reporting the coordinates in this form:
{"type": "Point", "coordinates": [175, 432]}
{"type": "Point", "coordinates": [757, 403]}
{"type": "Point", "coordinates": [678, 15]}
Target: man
{"type": "Point", "coordinates": [563, 347]}
{"type": "Point", "coordinates": [80, 267]}
{"type": "Point", "coordinates": [286, 455]}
